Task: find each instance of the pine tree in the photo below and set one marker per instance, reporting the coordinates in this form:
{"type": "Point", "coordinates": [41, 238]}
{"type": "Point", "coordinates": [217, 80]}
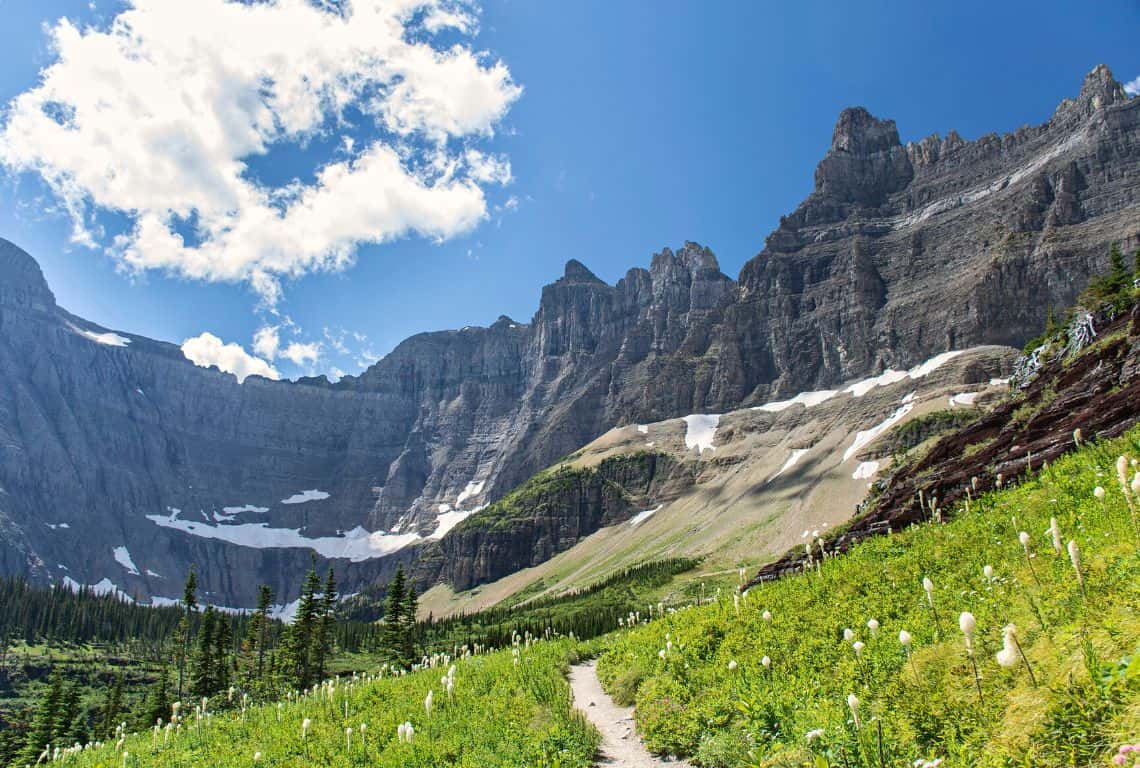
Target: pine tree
{"type": "Point", "coordinates": [155, 706]}
{"type": "Point", "coordinates": [297, 649]}
{"type": "Point", "coordinates": [251, 661]}
{"type": "Point", "coordinates": [411, 607]}
{"type": "Point", "coordinates": [69, 711]}
{"type": "Point", "coordinates": [44, 724]}
{"type": "Point", "coordinates": [182, 636]}
{"type": "Point", "coordinates": [264, 601]}
{"type": "Point", "coordinates": [202, 673]}
{"type": "Point", "coordinates": [327, 623]}
{"type": "Point", "coordinates": [112, 709]}
{"type": "Point", "coordinates": [222, 641]}
{"type": "Point", "coordinates": [392, 634]}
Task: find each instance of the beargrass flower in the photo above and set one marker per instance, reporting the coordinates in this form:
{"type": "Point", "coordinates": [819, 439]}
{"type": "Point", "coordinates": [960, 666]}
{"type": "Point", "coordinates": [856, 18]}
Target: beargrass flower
{"type": "Point", "coordinates": [767, 662]}
{"type": "Point", "coordinates": [968, 624]}
{"type": "Point", "coordinates": [858, 646]}
{"type": "Point", "coordinates": [1055, 530]}
{"type": "Point", "coordinates": [732, 666]}
{"type": "Point", "coordinates": [1075, 559]}
{"type": "Point", "coordinates": [428, 702]}
{"type": "Point", "coordinates": [848, 635]}
{"type": "Point", "coordinates": [853, 705]}
{"type": "Point", "coordinates": [873, 626]}
{"type": "Point", "coordinates": [767, 616]}
{"type": "Point", "coordinates": [305, 728]}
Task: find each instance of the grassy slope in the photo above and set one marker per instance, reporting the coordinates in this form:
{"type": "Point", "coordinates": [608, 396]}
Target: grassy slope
{"type": "Point", "coordinates": [1087, 700]}
{"type": "Point", "coordinates": [502, 715]}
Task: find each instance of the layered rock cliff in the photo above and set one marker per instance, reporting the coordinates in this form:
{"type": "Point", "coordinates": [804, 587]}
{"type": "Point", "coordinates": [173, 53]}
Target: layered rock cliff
{"type": "Point", "coordinates": [113, 443]}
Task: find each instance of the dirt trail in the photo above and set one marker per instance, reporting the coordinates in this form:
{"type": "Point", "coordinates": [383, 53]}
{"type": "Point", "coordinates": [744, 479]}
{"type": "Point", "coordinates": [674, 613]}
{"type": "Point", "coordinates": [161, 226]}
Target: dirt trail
{"type": "Point", "coordinates": [621, 746]}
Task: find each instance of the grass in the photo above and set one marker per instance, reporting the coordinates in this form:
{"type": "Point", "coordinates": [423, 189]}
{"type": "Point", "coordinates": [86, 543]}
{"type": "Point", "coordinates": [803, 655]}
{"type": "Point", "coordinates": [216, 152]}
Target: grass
{"type": "Point", "coordinates": [1082, 644]}
{"type": "Point", "coordinates": [502, 714]}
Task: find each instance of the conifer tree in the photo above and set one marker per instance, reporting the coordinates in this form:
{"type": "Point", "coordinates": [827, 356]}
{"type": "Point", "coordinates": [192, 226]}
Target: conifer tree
{"type": "Point", "coordinates": [411, 607]}
{"type": "Point", "coordinates": [182, 636]}
{"type": "Point", "coordinates": [112, 709]}
{"type": "Point", "coordinates": [222, 641]}
{"type": "Point", "coordinates": [69, 711]}
{"type": "Point", "coordinates": [264, 601]}
{"type": "Point", "coordinates": [392, 634]}
{"type": "Point", "coordinates": [156, 704]}
{"type": "Point", "coordinates": [326, 625]}
{"type": "Point", "coordinates": [202, 673]}
{"type": "Point", "coordinates": [44, 724]}
{"type": "Point", "coordinates": [298, 646]}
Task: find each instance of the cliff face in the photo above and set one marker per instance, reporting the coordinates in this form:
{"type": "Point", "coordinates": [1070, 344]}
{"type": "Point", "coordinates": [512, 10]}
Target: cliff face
{"type": "Point", "coordinates": [901, 252]}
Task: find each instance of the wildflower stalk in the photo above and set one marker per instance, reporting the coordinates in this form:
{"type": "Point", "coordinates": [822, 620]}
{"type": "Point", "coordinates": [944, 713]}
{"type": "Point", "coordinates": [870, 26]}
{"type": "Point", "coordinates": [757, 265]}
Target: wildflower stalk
{"type": "Point", "coordinates": [1024, 659]}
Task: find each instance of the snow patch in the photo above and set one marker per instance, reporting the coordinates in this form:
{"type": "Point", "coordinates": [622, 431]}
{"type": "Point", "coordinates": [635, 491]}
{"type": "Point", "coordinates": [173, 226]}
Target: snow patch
{"type": "Point", "coordinates": [149, 572]}
{"type": "Point", "coordinates": [866, 436]}
{"type": "Point", "coordinates": [999, 382]}
{"type": "Point", "coordinates": [641, 517]}
{"type": "Point", "coordinates": [891, 376]}
{"type": "Point", "coordinates": [103, 587]}
{"type": "Point", "coordinates": [472, 489]}
{"type": "Point", "coordinates": [797, 454]}
{"type": "Point", "coordinates": [446, 520]}
{"type": "Point", "coordinates": [807, 399]}
{"type": "Point", "coordinates": [865, 471]}
{"type": "Point", "coordinates": [247, 508]}
{"type": "Point", "coordinates": [106, 339]}
{"type": "Point", "coordinates": [700, 430]}
{"type": "Point", "coordinates": [54, 526]}
{"type": "Point", "coordinates": [305, 496]}
{"type": "Point", "coordinates": [123, 558]}
{"type": "Point", "coordinates": [964, 398]}
{"type": "Point", "coordinates": [357, 545]}
{"type": "Point", "coordinates": [643, 429]}
{"type": "Point", "coordinates": [909, 398]}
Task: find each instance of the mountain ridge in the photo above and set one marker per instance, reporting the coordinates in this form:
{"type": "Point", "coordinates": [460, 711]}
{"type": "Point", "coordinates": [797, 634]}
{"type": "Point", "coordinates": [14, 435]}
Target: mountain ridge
{"type": "Point", "coordinates": [900, 252]}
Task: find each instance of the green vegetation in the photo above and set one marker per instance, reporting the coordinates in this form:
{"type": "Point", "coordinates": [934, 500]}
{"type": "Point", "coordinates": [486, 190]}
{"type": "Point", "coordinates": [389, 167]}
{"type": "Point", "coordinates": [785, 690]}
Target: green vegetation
{"type": "Point", "coordinates": [553, 483]}
{"type": "Point", "coordinates": [911, 434]}
{"type": "Point", "coordinates": [1112, 292]}
{"type": "Point", "coordinates": [500, 712]}
{"type": "Point", "coordinates": [584, 613]}
{"type": "Point", "coordinates": [702, 688]}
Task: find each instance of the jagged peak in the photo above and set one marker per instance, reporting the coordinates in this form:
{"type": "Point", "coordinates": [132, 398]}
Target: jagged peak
{"type": "Point", "coordinates": [22, 282]}
{"type": "Point", "coordinates": [858, 132]}
{"type": "Point", "coordinates": [577, 272]}
{"type": "Point", "coordinates": [1098, 90]}
{"type": "Point", "coordinates": [694, 257]}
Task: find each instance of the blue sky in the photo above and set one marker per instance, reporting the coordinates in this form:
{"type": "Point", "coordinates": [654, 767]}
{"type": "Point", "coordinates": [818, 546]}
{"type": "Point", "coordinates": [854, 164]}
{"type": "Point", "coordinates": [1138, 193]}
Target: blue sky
{"type": "Point", "coordinates": [627, 126]}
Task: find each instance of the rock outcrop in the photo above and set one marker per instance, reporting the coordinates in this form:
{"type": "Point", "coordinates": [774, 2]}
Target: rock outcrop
{"type": "Point", "coordinates": [900, 252]}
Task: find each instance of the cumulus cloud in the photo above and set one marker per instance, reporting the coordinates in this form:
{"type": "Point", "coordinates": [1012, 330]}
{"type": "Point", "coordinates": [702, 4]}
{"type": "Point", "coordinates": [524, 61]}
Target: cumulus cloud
{"type": "Point", "coordinates": [208, 350]}
{"type": "Point", "coordinates": [299, 354]}
{"type": "Point", "coordinates": [266, 341]}
{"type": "Point", "coordinates": [157, 116]}
{"type": "Point", "coordinates": [1133, 88]}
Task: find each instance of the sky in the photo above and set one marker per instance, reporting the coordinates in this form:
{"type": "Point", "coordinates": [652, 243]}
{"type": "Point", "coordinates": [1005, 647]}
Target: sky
{"type": "Point", "coordinates": [292, 187]}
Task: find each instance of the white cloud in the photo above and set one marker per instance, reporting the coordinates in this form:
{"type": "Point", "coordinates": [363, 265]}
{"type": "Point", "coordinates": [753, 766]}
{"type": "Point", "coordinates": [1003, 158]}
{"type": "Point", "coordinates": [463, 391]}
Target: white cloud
{"type": "Point", "coordinates": [207, 350]}
{"type": "Point", "coordinates": [299, 354]}
{"type": "Point", "coordinates": [1133, 88]}
{"type": "Point", "coordinates": [266, 342]}
{"type": "Point", "coordinates": [156, 116]}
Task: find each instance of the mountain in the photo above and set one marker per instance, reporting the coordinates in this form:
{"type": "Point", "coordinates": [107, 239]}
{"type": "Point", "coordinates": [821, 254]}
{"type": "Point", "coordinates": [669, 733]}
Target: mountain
{"type": "Point", "coordinates": [121, 463]}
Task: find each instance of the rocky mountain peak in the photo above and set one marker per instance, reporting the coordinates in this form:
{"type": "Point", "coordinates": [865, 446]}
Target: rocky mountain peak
{"type": "Point", "coordinates": [858, 132]}
{"type": "Point", "coordinates": [1099, 89]}
{"type": "Point", "coordinates": [865, 164]}
{"type": "Point", "coordinates": [22, 283]}
{"type": "Point", "coordinates": [577, 272]}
